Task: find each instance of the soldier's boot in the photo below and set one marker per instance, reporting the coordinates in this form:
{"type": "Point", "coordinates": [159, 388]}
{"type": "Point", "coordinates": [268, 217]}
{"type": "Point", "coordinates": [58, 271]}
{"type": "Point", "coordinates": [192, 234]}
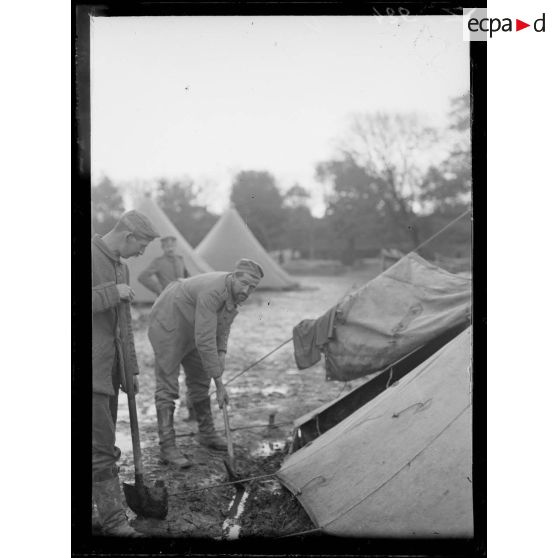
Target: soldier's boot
{"type": "Point", "coordinates": [206, 430]}
{"type": "Point", "coordinates": [108, 500]}
{"type": "Point", "coordinates": [170, 454]}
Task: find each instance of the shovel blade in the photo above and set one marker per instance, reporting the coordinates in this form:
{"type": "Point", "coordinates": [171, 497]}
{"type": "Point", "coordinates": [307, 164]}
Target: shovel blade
{"type": "Point", "coordinates": [148, 501]}
{"type": "Point", "coordinates": [231, 472]}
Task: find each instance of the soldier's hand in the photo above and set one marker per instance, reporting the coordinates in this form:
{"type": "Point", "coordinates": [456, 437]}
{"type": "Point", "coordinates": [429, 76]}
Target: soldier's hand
{"type": "Point", "coordinates": [125, 292]}
{"type": "Point", "coordinates": [222, 395]}
{"type": "Point", "coordinates": [135, 384]}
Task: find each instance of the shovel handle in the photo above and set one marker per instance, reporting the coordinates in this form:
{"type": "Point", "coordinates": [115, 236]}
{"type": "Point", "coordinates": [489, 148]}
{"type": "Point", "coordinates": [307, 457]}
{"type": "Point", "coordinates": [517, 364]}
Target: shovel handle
{"type": "Point", "coordinates": [228, 434]}
{"type": "Point", "coordinates": [132, 410]}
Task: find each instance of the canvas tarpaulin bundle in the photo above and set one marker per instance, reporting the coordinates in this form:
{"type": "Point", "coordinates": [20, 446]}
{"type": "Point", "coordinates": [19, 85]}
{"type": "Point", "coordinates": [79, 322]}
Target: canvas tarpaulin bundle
{"type": "Point", "coordinates": [408, 305]}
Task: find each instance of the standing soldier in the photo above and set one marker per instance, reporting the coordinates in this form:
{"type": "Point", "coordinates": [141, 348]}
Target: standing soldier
{"type": "Point", "coordinates": [189, 325]}
{"type": "Point", "coordinates": [112, 326]}
{"type": "Point", "coordinates": [164, 270]}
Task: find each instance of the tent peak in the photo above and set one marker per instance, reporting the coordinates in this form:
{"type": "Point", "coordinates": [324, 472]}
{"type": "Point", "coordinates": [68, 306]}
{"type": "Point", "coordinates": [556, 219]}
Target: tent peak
{"type": "Point", "coordinates": [231, 239]}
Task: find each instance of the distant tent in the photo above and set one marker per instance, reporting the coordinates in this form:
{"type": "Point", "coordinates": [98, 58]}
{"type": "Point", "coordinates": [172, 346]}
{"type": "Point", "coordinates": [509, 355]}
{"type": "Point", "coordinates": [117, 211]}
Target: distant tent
{"type": "Point", "coordinates": [400, 465]}
{"type": "Point", "coordinates": [229, 240]}
{"type": "Point", "coordinates": [194, 264]}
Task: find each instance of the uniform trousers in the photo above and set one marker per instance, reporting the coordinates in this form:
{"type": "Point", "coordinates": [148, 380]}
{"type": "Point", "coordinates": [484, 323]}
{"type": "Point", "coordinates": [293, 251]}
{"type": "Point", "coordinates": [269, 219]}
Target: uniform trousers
{"type": "Point", "coordinates": [105, 453]}
{"type": "Point", "coordinates": [197, 381]}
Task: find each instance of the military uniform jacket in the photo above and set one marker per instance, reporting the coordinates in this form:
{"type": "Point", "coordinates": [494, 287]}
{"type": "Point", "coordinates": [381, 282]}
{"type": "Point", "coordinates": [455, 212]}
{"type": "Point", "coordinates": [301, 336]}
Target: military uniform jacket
{"type": "Point", "coordinates": [106, 271]}
{"type": "Point", "coordinates": [166, 269]}
{"type": "Point", "coordinates": [193, 313]}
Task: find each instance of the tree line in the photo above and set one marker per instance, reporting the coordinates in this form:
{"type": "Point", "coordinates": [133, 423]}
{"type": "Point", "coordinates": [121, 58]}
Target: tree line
{"type": "Point", "coordinates": [392, 182]}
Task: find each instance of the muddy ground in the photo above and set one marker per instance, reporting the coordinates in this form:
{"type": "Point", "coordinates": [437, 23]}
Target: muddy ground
{"type": "Point", "coordinates": [273, 386]}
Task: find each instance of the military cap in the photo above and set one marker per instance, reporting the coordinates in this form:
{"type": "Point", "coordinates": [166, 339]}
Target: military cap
{"type": "Point", "coordinates": [165, 238]}
{"type": "Point", "coordinates": [249, 266]}
{"type": "Point", "coordinates": [139, 224]}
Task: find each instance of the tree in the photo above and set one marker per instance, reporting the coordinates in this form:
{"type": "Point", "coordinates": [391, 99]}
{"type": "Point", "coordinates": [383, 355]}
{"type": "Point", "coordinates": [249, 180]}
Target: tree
{"type": "Point", "coordinates": [299, 233]}
{"type": "Point", "coordinates": [447, 187]}
{"type": "Point", "coordinates": [259, 202]}
{"type": "Point", "coordinates": [178, 199]}
{"type": "Point", "coordinates": [354, 211]}
{"type": "Point", "coordinates": [394, 150]}
{"type": "Point", "coordinates": [106, 206]}
{"type": "Point", "coordinates": [296, 196]}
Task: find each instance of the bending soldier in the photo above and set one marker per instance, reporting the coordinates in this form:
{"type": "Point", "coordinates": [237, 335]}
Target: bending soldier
{"type": "Point", "coordinates": [164, 270]}
{"type": "Point", "coordinates": [189, 325]}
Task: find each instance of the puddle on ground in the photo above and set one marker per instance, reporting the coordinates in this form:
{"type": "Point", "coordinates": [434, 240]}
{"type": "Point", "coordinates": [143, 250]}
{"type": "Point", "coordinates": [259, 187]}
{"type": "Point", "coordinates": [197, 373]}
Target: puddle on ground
{"type": "Point", "coordinates": [268, 447]}
{"type": "Point", "coordinates": [273, 390]}
{"type": "Point", "coordinates": [233, 390]}
{"type": "Point", "coordinates": [266, 391]}
{"type": "Point", "coordinates": [231, 525]}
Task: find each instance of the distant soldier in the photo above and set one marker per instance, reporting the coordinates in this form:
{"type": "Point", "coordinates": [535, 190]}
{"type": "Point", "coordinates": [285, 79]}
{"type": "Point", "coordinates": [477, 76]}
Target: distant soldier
{"type": "Point", "coordinates": [165, 269]}
{"type": "Point", "coordinates": [189, 325]}
{"type": "Point", "coordinates": [111, 331]}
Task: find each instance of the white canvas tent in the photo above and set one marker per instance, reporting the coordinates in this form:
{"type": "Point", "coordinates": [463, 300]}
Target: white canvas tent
{"type": "Point", "coordinates": [195, 264]}
{"type": "Point", "coordinates": [401, 465]}
{"type": "Point", "coordinates": [229, 240]}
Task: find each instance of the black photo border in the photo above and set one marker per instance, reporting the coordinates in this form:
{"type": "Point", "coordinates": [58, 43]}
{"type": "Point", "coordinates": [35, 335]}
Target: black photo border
{"type": "Point", "coordinates": [83, 544]}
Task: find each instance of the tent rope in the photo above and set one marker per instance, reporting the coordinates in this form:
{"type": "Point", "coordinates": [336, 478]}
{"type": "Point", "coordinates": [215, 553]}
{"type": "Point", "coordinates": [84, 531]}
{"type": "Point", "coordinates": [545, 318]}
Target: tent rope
{"type": "Point", "coordinates": [228, 483]}
{"type": "Point", "coordinates": [256, 362]}
{"type": "Point", "coordinates": [423, 244]}
{"type": "Point", "coordinates": [247, 427]}
{"type": "Point", "coordinates": [299, 533]}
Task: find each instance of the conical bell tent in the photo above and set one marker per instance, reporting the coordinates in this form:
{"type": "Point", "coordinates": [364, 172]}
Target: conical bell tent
{"type": "Point", "coordinates": [195, 264]}
{"type": "Point", "coordinates": [229, 240]}
{"type": "Point", "coordinates": [401, 465]}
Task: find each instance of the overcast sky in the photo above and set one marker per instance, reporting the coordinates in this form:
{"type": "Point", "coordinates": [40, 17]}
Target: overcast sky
{"type": "Point", "coordinates": [210, 96]}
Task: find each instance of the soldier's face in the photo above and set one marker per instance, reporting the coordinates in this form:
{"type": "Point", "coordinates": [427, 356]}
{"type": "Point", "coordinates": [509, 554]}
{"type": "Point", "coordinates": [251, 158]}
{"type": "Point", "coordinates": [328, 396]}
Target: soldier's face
{"type": "Point", "coordinates": [169, 247]}
{"type": "Point", "coordinates": [243, 286]}
{"type": "Point", "coordinates": [134, 246]}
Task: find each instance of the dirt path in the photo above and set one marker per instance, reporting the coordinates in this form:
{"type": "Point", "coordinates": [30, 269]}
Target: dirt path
{"type": "Point", "coordinates": [273, 386]}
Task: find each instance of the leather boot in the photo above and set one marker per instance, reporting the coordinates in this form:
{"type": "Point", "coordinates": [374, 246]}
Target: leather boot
{"type": "Point", "coordinates": [108, 499]}
{"type": "Point", "coordinates": [206, 430]}
{"type": "Point", "coordinates": [170, 455]}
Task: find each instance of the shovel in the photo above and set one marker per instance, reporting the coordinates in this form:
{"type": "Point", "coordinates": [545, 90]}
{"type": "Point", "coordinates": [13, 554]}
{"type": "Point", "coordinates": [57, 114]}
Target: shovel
{"type": "Point", "coordinates": [143, 501]}
{"type": "Point", "coordinates": [230, 463]}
